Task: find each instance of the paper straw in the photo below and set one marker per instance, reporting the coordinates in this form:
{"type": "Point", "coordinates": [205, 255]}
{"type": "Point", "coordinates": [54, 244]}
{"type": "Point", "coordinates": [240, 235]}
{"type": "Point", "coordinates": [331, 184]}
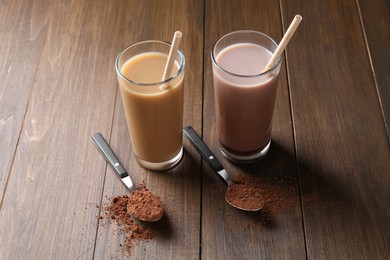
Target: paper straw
{"type": "Point", "coordinates": [283, 43]}
{"type": "Point", "coordinates": [171, 57]}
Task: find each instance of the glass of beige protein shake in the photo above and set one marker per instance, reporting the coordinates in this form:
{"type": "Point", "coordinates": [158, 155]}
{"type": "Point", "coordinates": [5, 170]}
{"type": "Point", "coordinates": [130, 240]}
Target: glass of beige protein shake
{"type": "Point", "coordinates": [153, 108]}
{"type": "Point", "coordinates": [244, 94]}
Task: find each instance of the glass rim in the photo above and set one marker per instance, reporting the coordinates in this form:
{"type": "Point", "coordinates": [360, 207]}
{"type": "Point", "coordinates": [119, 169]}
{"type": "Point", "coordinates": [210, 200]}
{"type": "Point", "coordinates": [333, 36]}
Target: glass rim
{"type": "Point", "coordinates": [213, 58]}
{"type": "Point", "coordinates": [179, 71]}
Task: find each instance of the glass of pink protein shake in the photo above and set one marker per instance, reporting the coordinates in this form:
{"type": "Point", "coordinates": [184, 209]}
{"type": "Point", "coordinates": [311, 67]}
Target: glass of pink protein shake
{"type": "Point", "coordinates": [153, 108]}
{"type": "Point", "coordinates": [244, 94]}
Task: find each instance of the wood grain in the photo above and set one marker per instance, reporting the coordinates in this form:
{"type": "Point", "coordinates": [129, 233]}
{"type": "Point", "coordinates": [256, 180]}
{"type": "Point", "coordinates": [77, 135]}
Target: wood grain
{"type": "Point", "coordinates": [178, 232]}
{"type": "Point", "coordinates": [269, 240]}
{"type": "Point", "coordinates": [376, 22]}
{"type": "Point", "coordinates": [22, 34]}
{"type": "Point", "coordinates": [56, 177]}
{"type": "Point", "coordinates": [341, 140]}
{"type": "Point", "coordinates": [330, 131]}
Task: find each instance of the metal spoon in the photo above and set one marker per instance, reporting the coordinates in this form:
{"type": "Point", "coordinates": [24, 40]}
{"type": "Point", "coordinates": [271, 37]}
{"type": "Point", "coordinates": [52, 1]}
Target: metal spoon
{"type": "Point", "coordinates": [118, 168]}
{"type": "Point", "coordinates": [216, 166]}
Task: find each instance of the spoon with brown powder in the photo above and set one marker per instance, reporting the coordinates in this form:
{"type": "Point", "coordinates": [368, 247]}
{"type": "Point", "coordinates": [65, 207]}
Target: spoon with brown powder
{"type": "Point", "coordinates": [239, 195]}
{"type": "Point", "coordinates": [142, 204]}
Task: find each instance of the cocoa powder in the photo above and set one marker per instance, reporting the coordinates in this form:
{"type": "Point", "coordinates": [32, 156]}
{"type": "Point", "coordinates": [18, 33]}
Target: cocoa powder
{"type": "Point", "coordinates": [274, 193]}
{"type": "Point", "coordinates": [145, 205]}
{"type": "Point", "coordinates": [244, 196]}
{"type": "Point", "coordinates": [115, 211]}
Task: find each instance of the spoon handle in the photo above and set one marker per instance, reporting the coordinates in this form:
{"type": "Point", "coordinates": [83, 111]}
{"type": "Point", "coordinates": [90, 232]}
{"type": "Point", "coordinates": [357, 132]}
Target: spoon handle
{"type": "Point", "coordinates": [106, 151]}
{"type": "Point", "coordinates": [206, 153]}
{"type": "Point", "coordinates": [114, 162]}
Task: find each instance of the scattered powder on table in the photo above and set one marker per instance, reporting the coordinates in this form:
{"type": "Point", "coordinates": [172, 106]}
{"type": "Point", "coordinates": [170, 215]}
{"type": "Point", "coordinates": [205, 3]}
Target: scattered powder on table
{"type": "Point", "coordinates": [116, 211]}
{"type": "Point", "coordinates": [244, 196]}
{"type": "Point", "coordinates": [274, 193]}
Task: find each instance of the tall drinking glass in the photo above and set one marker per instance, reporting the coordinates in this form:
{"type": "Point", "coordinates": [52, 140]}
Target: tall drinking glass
{"type": "Point", "coordinates": [244, 95]}
{"type": "Point", "coordinates": [153, 108]}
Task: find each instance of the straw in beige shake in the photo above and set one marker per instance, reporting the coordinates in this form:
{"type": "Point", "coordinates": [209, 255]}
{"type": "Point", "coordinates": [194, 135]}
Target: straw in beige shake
{"type": "Point", "coordinates": [171, 57]}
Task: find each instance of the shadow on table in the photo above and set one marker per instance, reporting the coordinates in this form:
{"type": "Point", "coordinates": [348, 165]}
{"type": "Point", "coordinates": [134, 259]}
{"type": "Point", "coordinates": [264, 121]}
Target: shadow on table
{"type": "Point", "coordinates": [163, 227]}
{"type": "Point", "coordinates": [320, 193]}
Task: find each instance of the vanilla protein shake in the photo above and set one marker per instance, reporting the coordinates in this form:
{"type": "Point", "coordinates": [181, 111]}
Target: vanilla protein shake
{"type": "Point", "coordinates": [154, 113]}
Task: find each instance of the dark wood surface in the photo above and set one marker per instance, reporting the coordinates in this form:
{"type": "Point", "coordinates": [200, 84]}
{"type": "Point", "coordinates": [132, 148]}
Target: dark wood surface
{"type": "Point", "coordinates": [330, 132]}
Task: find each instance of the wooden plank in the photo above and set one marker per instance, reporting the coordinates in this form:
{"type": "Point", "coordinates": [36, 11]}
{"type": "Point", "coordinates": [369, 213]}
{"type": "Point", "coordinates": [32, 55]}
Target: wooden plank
{"type": "Point", "coordinates": [228, 233]}
{"type": "Point", "coordinates": [178, 232]}
{"type": "Point", "coordinates": [341, 142]}
{"type": "Point", "coordinates": [376, 21]}
{"type": "Point", "coordinates": [22, 33]}
{"type": "Point", "coordinates": [57, 176]}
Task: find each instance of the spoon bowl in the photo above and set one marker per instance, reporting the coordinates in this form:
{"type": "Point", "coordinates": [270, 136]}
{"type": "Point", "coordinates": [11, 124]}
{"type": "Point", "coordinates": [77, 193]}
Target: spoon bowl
{"type": "Point", "coordinates": [145, 205]}
{"type": "Point", "coordinates": [237, 195]}
{"type": "Point", "coordinates": [244, 197]}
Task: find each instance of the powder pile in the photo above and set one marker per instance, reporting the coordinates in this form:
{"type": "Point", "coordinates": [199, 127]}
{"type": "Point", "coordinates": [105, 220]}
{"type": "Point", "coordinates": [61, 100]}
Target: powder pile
{"type": "Point", "coordinates": [145, 205]}
{"type": "Point", "coordinates": [115, 211]}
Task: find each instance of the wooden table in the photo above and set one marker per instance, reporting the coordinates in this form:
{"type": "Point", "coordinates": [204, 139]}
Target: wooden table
{"type": "Point", "coordinates": [58, 87]}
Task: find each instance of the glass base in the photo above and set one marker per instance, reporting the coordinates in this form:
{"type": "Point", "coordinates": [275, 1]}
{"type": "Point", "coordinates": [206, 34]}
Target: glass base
{"type": "Point", "coordinates": [161, 166]}
{"type": "Point", "coordinates": [244, 158]}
